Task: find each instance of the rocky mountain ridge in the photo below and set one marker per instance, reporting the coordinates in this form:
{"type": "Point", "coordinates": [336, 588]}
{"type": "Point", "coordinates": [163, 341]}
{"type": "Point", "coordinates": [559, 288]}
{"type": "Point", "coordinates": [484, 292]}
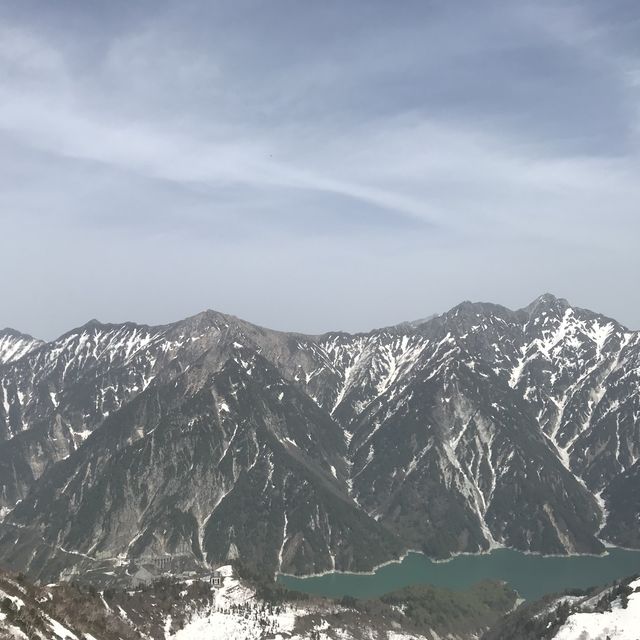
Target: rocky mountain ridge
{"type": "Point", "coordinates": [14, 345]}
{"type": "Point", "coordinates": [310, 453]}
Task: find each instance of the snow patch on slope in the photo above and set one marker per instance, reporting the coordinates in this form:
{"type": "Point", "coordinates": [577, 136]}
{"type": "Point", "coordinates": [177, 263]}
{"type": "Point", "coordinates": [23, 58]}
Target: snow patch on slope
{"type": "Point", "coordinates": [14, 345]}
{"type": "Point", "coordinates": [236, 614]}
{"type": "Point", "coordinates": [617, 624]}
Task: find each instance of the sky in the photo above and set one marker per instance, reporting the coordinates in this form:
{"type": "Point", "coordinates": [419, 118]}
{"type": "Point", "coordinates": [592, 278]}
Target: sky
{"type": "Point", "coordinates": [316, 165]}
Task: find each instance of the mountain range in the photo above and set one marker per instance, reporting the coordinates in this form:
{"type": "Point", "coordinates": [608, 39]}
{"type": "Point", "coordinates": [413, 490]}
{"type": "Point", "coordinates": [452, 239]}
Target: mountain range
{"type": "Point", "coordinates": [215, 438]}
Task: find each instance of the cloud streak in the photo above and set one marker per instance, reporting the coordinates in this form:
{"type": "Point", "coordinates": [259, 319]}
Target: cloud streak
{"type": "Point", "coordinates": [416, 155]}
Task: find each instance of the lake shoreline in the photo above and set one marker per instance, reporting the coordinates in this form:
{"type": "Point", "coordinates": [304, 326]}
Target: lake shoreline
{"type": "Point", "coordinates": [530, 574]}
{"type": "Point", "coordinates": [453, 556]}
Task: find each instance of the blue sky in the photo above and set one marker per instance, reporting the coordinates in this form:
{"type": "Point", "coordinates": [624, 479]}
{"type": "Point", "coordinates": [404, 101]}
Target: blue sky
{"type": "Point", "coordinates": [313, 166]}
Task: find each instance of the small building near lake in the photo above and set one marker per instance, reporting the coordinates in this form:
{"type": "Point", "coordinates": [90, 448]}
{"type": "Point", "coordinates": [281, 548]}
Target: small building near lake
{"type": "Point", "coordinates": [216, 579]}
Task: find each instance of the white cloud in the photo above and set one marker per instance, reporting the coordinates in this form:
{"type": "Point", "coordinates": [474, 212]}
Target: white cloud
{"type": "Point", "coordinates": [161, 123]}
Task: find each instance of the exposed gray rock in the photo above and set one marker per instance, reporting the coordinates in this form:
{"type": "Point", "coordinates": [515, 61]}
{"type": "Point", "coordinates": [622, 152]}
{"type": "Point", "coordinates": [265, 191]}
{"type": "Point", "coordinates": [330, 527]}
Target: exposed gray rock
{"type": "Point", "coordinates": [479, 427]}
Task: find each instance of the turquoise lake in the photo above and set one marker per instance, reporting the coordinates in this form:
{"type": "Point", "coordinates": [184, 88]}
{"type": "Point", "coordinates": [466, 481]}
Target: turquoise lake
{"type": "Point", "coordinates": [532, 576]}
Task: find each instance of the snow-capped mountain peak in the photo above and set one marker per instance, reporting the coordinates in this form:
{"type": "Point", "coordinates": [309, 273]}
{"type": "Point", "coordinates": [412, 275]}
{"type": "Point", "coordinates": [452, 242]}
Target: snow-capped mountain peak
{"type": "Point", "coordinates": [424, 435]}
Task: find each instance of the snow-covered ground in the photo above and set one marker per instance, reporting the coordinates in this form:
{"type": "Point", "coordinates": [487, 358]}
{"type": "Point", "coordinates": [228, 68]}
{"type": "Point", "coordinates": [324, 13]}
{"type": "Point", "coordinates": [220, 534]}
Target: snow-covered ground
{"type": "Point", "coordinates": [5, 626]}
{"type": "Point", "coordinates": [617, 624]}
{"type": "Point", "coordinates": [230, 612]}
{"type": "Point", "coordinates": [237, 615]}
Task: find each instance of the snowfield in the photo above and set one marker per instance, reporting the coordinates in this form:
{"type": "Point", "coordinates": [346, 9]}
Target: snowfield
{"type": "Point", "coordinates": [617, 624]}
{"type": "Point", "coordinates": [237, 615]}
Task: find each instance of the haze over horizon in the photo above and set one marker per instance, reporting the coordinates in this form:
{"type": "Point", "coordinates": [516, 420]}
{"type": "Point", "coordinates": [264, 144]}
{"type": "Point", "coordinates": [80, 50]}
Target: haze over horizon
{"type": "Point", "coordinates": [312, 167]}
{"type": "Point", "coordinates": [329, 329]}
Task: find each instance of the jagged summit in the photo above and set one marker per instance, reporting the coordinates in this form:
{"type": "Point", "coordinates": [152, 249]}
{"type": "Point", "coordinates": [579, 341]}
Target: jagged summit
{"type": "Point", "coordinates": [469, 308]}
{"type": "Point", "coordinates": [346, 448]}
{"type": "Point", "coordinates": [208, 315]}
{"type": "Point", "coordinates": [94, 323]}
{"type": "Point", "coordinates": [14, 344]}
{"type": "Point", "coordinates": [8, 331]}
{"type": "Point", "coordinates": [547, 301]}
{"type": "Point", "coordinates": [212, 317]}
{"type": "Point", "coordinates": [550, 299]}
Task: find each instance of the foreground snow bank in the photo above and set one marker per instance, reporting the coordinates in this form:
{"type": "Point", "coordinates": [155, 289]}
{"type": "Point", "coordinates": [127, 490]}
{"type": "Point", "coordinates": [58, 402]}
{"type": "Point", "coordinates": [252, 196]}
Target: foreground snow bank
{"type": "Point", "coordinates": [617, 624]}
{"type": "Point", "coordinates": [236, 614]}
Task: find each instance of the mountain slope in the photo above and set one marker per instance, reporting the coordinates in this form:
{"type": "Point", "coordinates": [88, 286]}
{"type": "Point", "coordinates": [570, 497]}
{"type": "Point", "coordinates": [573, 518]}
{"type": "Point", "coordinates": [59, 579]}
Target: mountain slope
{"type": "Point", "coordinates": [612, 612]}
{"type": "Point", "coordinates": [316, 452]}
{"type": "Point", "coordinates": [14, 345]}
{"type": "Point", "coordinates": [195, 462]}
{"type": "Point", "coordinates": [59, 393]}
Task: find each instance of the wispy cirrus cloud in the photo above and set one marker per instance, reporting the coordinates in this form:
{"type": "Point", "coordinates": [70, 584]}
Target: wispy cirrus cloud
{"type": "Point", "coordinates": [480, 151]}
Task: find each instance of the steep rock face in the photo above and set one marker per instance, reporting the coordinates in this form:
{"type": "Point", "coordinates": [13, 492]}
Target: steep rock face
{"type": "Point", "coordinates": [55, 396]}
{"type": "Point", "coordinates": [14, 345]}
{"type": "Point", "coordinates": [623, 504]}
{"type": "Point", "coordinates": [575, 368]}
{"type": "Point", "coordinates": [317, 452]}
{"type": "Point", "coordinates": [455, 432]}
{"type": "Point", "coordinates": [225, 462]}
